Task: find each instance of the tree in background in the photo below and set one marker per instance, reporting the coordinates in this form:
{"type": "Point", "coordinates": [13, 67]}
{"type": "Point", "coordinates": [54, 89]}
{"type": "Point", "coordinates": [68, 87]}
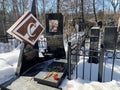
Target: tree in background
{"type": "Point", "coordinates": [94, 10]}
{"type": "Point", "coordinates": [114, 4]}
{"type": "Point", "coordinates": [90, 10]}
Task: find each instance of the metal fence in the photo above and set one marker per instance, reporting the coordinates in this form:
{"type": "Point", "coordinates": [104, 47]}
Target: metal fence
{"type": "Point", "coordinates": [79, 54]}
{"type": "Point", "coordinates": [7, 44]}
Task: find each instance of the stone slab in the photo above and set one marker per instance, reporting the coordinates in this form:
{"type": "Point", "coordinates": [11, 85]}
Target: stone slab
{"type": "Point", "coordinates": [50, 80]}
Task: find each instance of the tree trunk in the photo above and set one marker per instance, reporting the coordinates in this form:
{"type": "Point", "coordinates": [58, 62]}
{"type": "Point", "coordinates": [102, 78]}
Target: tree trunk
{"type": "Point", "coordinates": [4, 18]}
{"type": "Point", "coordinates": [82, 13]}
{"type": "Point", "coordinates": [76, 7]}
{"type": "Point", "coordinates": [114, 10]}
{"type": "Point", "coordinates": [94, 10]}
{"type": "Point", "coordinates": [43, 15]}
{"type": "Point", "coordinates": [114, 3]}
{"type": "Point", "coordinates": [103, 7]}
{"type": "Point", "coordinates": [58, 8]}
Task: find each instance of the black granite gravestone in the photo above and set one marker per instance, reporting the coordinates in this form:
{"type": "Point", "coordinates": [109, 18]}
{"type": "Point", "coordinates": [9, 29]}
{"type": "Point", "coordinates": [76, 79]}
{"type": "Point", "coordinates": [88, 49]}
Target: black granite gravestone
{"type": "Point", "coordinates": [110, 37]}
{"type": "Point", "coordinates": [54, 35]}
{"type": "Point", "coordinates": [110, 42]}
{"type": "Point", "coordinates": [94, 41]}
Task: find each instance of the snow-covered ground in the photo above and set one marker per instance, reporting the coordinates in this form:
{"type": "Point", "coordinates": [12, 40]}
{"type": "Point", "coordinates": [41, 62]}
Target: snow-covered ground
{"type": "Point", "coordinates": [79, 84]}
{"type": "Point", "coordinates": [8, 64]}
{"type": "Point", "coordinates": [93, 84]}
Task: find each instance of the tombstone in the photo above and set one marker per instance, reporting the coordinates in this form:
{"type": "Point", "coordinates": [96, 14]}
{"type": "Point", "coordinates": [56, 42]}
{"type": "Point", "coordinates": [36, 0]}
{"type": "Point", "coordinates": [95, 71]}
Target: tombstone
{"type": "Point", "coordinates": [110, 37]}
{"type": "Point", "coordinates": [109, 42]}
{"type": "Point", "coordinates": [94, 41]}
{"type": "Point", "coordinates": [55, 46]}
{"type": "Point", "coordinates": [54, 35]}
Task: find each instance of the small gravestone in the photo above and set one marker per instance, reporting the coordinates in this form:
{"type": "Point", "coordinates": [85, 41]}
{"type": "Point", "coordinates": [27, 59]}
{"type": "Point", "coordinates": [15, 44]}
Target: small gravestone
{"type": "Point", "coordinates": [110, 42]}
{"type": "Point", "coordinates": [110, 37]}
{"type": "Point", "coordinates": [94, 41]}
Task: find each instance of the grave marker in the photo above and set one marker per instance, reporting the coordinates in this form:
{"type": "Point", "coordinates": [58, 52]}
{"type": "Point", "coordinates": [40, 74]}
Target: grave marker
{"type": "Point", "coordinates": [110, 37]}
{"type": "Point", "coordinates": [94, 41]}
{"type": "Point", "coordinates": [54, 34]}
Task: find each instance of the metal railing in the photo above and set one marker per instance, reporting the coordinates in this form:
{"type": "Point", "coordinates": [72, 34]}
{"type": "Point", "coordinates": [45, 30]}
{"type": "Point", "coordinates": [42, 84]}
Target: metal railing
{"type": "Point", "coordinates": [80, 48]}
{"type": "Point", "coordinates": [7, 44]}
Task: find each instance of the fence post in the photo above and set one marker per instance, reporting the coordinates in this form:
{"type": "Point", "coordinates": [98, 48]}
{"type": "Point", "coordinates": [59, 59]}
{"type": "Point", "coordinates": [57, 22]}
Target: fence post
{"type": "Point", "coordinates": [69, 61]}
{"type": "Point", "coordinates": [113, 64]}
{"type": "Point", "coordinates": [76, 60]}
{"type": "Point", "coordinates": [100, 69]}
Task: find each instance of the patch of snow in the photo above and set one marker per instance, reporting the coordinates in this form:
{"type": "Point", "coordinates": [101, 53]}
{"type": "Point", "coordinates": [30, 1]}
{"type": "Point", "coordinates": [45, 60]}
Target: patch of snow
{"type": "Point", "coordinates": [79, 84]}
{"type": "Point", "coordinates": [6, 71]}
{"type": "Point", "coordinates": [8, 64]}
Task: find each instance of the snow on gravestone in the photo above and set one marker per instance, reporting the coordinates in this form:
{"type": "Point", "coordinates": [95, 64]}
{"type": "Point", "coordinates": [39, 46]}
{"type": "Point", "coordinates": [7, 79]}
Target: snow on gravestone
{"type": "Point", "coordinates": [27, 28]}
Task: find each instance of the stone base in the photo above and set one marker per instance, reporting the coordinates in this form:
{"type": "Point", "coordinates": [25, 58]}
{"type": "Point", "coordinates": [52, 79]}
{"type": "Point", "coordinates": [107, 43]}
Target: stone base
{"type": "Point", "coordinates": [55, 68]}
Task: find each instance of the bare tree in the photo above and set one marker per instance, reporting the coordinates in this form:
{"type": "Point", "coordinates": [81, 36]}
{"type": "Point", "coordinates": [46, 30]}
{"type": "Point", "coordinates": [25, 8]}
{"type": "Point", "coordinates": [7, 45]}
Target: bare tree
{"type": "Point", "coordinates": [115, 4]}
{"type": "Point", "coordinates": [15, 8]}
{"type": "Point", "coordinates": [103, 7]}
{"type": "Point", "coordinates": [94, 10]}
{"type": "Point", "coordinates": [4, 18]}
{"type": "Point", "coordinates": [58, 2]}
{"type": "Point", "coordinates": [82, 4]}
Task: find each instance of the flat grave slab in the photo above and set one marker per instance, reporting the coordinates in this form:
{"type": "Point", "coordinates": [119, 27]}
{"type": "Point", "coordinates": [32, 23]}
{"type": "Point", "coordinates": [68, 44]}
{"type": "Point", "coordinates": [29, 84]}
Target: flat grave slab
{"type": "Point", "coordinates": [46, 76]}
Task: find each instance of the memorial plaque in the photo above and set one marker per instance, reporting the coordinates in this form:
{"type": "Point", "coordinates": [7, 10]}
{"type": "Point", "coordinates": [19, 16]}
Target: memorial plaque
{"type": "Point", "coordinates": [110, 37]}
{"type": "Point", "coordinates": [54, 24]}
{"type": "Point", "coordinates": [27, 28]}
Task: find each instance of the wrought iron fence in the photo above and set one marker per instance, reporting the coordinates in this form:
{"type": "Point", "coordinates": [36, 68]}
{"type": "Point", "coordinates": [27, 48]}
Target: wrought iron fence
{"type": "Point", "coordinates": [7, 44]}
{"type": "Point", "coordinates": [79, 53]}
